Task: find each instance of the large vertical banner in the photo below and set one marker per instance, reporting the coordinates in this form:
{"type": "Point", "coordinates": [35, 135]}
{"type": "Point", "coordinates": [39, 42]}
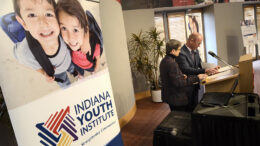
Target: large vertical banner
{"type": "Point", "coordinates": [53, 73]}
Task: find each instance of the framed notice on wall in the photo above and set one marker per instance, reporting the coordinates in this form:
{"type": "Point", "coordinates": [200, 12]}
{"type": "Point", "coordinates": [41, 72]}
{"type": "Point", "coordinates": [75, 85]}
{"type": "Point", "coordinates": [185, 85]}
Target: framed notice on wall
{"type": "Point", "coordinates": [249, 36]}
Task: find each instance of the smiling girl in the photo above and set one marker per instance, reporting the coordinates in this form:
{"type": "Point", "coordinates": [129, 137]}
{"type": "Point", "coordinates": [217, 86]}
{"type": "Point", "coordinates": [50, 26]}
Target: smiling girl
{"type": "Point", "coordinates": [81, 32]}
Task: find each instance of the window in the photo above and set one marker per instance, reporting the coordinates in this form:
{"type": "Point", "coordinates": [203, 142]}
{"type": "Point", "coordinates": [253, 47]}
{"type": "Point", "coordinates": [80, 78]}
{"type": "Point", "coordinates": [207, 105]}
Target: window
{"type": "Point", "coordinates": [258, 19]}
{"type": "Point", "coordinates": [158, 19]}
{"type": "Point", "coordinates": [249, 13]}
{"type": "Point", "coordinates": [176, 26]}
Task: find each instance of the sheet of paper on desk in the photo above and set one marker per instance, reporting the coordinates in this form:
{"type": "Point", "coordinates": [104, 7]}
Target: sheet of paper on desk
{"type": "Point", "coordinates": [223, 69]}
{"type": "Point", "coordinates": [221, 72]}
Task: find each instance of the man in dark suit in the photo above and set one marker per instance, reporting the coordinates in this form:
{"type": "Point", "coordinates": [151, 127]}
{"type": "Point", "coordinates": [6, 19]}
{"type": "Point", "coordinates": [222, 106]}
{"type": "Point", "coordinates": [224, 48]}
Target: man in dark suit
{"type": "Point", "coordinates": [174, 83]}
{"type": "Point", "coordinates": [190, 64]}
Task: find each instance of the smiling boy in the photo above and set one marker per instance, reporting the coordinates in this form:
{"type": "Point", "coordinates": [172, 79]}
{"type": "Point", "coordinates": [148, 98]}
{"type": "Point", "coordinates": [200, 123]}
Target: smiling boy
{"type": "Point", "coordinates": [42, 30]}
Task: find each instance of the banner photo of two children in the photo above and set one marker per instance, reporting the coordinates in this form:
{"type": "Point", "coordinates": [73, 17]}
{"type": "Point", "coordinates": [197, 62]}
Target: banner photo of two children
{"type": "Point", "coordinates": [54, 75]}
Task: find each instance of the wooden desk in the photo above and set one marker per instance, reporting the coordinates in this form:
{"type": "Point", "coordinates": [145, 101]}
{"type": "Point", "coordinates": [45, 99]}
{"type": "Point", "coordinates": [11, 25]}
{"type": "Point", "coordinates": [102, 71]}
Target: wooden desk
{"type": "Point", "coordinates": [256, 66]}
{"type": "Point", "coordinates": [223, 81]}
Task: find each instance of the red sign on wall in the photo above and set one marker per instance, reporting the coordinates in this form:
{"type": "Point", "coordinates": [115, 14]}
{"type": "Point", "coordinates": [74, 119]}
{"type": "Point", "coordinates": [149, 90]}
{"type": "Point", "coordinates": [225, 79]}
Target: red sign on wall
{"type": "Point", "coordinates": [182, 2]}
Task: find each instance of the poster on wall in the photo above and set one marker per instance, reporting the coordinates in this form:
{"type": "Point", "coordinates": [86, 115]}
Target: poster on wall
{"type": "Point", "coordinates": [54, 75]}
{"type": "Point", "coordinates": [194, 25]}
{"type": "Point", "coordinates": [249, 36]}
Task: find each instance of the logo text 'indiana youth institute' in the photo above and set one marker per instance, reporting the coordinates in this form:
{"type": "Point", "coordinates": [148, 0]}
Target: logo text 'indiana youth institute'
{"type": "Point", "coordinates": [58, 130]}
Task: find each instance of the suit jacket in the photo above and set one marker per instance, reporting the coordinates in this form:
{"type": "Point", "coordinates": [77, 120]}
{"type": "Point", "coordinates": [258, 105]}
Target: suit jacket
{"type": "Point", "coordinates": [187, 65]}
{"type": "Point", "coordinates": [174, 86]}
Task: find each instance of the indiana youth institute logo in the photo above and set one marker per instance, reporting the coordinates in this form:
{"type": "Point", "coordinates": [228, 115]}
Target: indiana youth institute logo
{"type": "Point", "coordinates": [58, 130]}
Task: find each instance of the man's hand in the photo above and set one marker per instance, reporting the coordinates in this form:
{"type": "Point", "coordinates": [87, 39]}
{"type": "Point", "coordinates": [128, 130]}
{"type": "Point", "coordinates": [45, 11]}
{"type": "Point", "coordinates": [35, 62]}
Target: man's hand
{"type": "Point", "coordinates": [211, 71]}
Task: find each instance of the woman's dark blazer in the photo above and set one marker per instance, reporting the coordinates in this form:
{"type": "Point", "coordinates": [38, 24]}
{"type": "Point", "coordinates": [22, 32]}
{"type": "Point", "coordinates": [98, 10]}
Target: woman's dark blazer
{"type": "Point", "coordinates": [174, 85]}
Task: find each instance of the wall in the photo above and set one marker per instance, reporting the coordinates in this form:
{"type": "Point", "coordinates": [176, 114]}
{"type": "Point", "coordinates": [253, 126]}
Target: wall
{"type": "Point", "coordinates": [228, 31]}
{"type": "Point", "coordinates": [222, 31]}
{"type": "Point", "coordinates": [117, 55]}
{"type": "Point", "coordinates": [135, 21]}
{"type": "Point", "coordinates": [210, 33]}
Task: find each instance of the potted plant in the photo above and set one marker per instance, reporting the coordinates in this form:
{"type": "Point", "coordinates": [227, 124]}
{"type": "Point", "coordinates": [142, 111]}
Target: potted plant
{"type": "Point", "coordinates": [145, 50]}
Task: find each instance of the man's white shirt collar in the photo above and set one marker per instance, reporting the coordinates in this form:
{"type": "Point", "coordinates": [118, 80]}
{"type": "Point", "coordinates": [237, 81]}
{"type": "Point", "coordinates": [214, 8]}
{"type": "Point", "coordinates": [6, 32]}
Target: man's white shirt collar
{"type": "Point", "coordinates": [190, 49]}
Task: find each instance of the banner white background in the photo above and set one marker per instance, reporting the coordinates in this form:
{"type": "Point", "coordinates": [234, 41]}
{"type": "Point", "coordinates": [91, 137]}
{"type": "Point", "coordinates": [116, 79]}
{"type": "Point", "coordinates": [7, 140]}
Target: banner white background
{"type": "Point", "coordinates": [27, 116]}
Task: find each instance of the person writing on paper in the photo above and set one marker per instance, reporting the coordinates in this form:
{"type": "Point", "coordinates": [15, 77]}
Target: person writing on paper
{"type": "Point", "coordinates": [190, 63]}
{"type": "Point", "coordinates": [175, 84]}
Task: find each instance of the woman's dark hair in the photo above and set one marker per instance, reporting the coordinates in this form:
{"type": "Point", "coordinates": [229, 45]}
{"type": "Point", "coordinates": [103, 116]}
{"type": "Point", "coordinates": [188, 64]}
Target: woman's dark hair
{"type": "Point", "coordinates": [73, 8]}
{"type": "Point", "coordinates": [95, 35]}
{"type": "Point", "coordinates": [17, 4]}
{"type": "Point", "coordinates": [172, 45]}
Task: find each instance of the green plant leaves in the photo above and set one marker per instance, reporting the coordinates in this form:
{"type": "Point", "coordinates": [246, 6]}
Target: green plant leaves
{"type": "Point", "coordinates": [145, 49]}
